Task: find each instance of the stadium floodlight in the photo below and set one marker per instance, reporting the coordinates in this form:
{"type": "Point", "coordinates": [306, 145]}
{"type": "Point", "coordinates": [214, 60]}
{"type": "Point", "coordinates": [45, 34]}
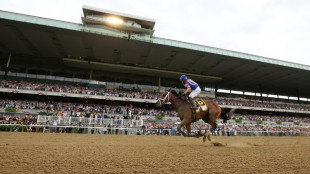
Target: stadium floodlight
{"type": "Point", "coordinates": [236, 92]}
{"type": "Point", "coordinates": [95, 17]}
{"type": "Point", "coordinates": [114, 20]}
{"type": "Point", "coordinates": [303, 99]}
{"type": "Point", "coordinates": [293, 98]}
{"type": "Point", "coordinates": [223, 91]}
{"type": "Point", "coordinates": [249, 93]}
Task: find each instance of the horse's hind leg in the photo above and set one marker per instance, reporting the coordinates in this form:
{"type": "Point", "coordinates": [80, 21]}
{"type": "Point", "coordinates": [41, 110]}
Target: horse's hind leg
{"type": "Point", "coordinates": [214, 126]}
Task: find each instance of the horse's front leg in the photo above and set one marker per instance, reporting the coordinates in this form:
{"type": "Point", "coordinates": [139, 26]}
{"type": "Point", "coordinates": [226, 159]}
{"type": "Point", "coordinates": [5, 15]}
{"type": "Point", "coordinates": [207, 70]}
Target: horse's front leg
{"type": "Point", "coordinates": [207, 135]}
{"type": "Point", "coordinates": [188, 128]}
{"type": "Point", "coordinates": [179, 128]}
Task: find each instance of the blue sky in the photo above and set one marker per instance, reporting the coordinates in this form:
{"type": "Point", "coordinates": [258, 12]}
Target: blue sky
{"type": "Point", "coordinates": [277, 29]}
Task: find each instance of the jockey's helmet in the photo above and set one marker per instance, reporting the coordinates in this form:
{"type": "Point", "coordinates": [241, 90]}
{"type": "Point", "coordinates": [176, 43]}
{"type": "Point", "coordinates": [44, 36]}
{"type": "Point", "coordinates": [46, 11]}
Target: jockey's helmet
{"type": "Point", "coordinates": [183, 77]}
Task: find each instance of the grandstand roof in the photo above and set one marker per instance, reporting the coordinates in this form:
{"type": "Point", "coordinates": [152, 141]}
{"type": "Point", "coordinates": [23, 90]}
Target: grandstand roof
{"type": "Point", "coordinates": [65, 45]}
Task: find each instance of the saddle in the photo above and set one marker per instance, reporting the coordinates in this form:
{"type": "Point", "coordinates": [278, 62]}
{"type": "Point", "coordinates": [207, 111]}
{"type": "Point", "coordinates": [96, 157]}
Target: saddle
{"type": "Point", "coordinates": [201, 105]}
{"type": "Point", "coordinates": [198, 105]}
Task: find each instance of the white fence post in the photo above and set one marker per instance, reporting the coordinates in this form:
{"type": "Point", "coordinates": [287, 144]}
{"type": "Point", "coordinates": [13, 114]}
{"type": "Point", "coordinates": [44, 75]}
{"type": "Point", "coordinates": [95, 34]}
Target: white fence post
{"type": "Point", "coordinates": [39, 117]}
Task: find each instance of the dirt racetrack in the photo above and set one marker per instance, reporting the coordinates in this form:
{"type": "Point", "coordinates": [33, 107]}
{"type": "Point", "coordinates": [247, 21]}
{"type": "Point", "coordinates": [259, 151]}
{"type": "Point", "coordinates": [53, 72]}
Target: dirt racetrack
{"type": "Point", "coordinates": [86, 153]}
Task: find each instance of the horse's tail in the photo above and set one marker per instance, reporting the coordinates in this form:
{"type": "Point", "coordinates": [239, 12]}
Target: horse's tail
{"type": "Point", "coordinates": [225, 116]}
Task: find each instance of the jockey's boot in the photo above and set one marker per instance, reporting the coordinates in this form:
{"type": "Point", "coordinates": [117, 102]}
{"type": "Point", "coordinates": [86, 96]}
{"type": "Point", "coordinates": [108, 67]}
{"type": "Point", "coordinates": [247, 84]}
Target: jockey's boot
{"type": "Point", "coordinates": [194, 107]}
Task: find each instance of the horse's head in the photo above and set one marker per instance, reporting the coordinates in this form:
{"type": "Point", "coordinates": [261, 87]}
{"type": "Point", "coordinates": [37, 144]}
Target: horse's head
{"type": "Point", "coordinates": [164, 98]}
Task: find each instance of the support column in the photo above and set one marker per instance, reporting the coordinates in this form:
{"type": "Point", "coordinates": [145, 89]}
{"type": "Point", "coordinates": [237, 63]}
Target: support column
{"type": "Point", "coordinates": [159, 83]}
{"type": "Point", "coordinates": [129, 35]}
{"type": "Point", "coordinates": [298, 95]}
{"type": "Point", "coordinates": [91, 75]}
{"type": "Point", "coordinates": [7, 67]}
{"type": "Point", "coordinates": [261, 92]}
{"type": "Point", "coordinates": [215, 92]}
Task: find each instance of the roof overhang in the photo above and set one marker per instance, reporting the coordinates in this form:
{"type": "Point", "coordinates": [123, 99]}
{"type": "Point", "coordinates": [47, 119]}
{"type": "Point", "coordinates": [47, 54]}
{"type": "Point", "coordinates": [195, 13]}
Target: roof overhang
{"type": "Point", "coordinates": [41, 42]}
{"type": "Point", "coordinates": [136, 70]}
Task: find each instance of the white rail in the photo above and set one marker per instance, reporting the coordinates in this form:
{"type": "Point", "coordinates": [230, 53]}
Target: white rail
{"type": "Point", "coordinates": [95, 121]}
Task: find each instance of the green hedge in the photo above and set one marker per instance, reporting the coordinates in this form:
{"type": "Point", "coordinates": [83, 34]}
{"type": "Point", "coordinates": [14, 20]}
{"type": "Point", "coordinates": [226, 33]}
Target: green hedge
{"type": "Point", "coordinates": [259, 121]}
{"type": "Point", "coordinates": [10, 109]}
{"type": "Point", "coordinates": [22, 127]}
{"type": "Point", "coordinates": [238, 121]}
{"type": "Point", "coordinates": [297, 123]}
{"type": "Point", "coordinates": [5, 128]}
{"type": "Point", "coordinates": [159, 117]}
{"type": "Point", "coordinates": [279, 122]}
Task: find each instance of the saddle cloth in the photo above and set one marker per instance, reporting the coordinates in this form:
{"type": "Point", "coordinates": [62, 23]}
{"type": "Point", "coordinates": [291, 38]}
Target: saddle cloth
{"type": "Point", "coordinates": [201, 105]}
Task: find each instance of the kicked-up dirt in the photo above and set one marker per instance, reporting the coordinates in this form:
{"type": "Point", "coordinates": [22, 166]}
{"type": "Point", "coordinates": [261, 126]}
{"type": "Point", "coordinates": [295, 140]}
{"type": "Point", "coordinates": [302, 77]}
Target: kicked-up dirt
{"type": "Point", "coordinates": [86, 153]}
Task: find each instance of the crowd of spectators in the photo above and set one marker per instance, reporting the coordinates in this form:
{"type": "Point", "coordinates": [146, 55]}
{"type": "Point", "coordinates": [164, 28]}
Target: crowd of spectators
{"type": "Point", "coordinates": [83, 110]}
{"type": "Point", "coordinates": [259, 104]}
{"type": "Point", "coordinates": [227, 99]}
{"type": "Point", "coordinates": [78, 89]}
{"type": "Point", "coordinates": [258, 98]}
{"type": "Point", "coordinates": [271, 118]}
{"type": "Point", "coordinates": [68, 109]}
{"type": "Point", "coordinates": [98, 111]}
{"type": "Point", "coordinates": [21, 119]}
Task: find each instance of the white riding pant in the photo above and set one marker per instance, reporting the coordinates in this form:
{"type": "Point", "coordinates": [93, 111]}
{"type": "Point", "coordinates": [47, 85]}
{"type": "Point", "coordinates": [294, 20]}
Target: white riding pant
{"type": "Point", "coordinates": [195, 92]}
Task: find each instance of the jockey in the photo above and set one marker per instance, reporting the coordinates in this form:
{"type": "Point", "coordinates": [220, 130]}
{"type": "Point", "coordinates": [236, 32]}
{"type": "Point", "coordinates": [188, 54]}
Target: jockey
{"type": "Point", "coordinates": [189, 84]}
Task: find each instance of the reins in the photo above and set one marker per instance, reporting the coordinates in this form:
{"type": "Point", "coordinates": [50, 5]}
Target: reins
{"type": "Point", "coordinates": [162, 101]}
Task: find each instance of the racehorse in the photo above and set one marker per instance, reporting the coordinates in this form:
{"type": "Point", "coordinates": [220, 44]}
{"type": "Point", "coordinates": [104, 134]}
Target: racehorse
{"type": "Point", "coordinates": [184, 111]}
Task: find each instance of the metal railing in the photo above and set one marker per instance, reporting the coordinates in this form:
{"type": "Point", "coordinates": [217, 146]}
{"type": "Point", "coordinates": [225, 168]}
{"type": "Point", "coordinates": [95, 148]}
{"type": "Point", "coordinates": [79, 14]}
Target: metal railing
{"type": "Point", "coordinates": [95, 121]}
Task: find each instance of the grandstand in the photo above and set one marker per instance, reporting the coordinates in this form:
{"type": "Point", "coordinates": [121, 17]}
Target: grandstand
{"type": "Point", "coordinates": [112, 66]}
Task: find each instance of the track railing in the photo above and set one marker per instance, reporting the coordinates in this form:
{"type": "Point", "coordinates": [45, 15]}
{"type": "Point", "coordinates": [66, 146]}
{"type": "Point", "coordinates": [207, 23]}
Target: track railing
{"type": "Point", "coordinates": [95, 121]}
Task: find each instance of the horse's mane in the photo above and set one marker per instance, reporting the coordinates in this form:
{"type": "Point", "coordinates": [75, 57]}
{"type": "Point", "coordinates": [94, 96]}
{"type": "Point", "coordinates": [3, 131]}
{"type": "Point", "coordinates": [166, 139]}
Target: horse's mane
{"type": "Point", "coordinates": [176, 94]}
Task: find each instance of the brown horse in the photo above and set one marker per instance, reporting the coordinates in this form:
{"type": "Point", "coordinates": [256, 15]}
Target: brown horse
{"type": "Point", "coordinates": [184, 111]}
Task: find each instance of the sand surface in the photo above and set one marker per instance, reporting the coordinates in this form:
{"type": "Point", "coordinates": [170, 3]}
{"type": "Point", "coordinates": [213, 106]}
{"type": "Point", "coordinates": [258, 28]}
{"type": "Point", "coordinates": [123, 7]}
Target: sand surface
{"type": "Point", "coordinates": [85, 153]}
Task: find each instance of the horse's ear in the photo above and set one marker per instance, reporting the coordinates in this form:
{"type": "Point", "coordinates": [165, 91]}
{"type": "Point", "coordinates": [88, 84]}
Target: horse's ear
{"type": "Point", "coordinates": [169, 89]}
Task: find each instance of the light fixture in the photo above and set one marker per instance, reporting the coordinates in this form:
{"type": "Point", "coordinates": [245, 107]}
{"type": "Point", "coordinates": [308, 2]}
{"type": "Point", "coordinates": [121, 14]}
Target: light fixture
{"type": "Point", "coordinates": [114, 20]}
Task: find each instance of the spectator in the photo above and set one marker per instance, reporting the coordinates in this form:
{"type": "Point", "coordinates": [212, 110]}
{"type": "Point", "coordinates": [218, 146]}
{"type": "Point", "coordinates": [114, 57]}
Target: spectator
{"type": "Point", "coordinates": [54, 126]}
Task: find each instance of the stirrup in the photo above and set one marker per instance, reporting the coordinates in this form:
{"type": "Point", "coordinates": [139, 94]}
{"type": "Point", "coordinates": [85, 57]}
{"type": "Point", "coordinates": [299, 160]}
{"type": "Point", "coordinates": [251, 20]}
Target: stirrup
{"type": "Point", "coordinates": [194, 115]}
{"type": "Point", "coordinates": [194, 106]}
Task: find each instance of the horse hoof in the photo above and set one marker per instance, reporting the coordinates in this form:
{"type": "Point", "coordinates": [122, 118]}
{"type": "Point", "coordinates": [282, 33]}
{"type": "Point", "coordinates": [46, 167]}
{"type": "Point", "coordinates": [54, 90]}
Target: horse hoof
{"type": "Point", "coordinates": [209, 137]}
{"type": "Point", "coordinates": [204, 139]}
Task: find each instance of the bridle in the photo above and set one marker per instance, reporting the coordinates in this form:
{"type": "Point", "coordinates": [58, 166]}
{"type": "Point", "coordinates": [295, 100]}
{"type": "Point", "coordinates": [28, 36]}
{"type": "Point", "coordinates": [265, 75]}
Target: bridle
{"type": "Point", "coordinates": [162, 100]}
